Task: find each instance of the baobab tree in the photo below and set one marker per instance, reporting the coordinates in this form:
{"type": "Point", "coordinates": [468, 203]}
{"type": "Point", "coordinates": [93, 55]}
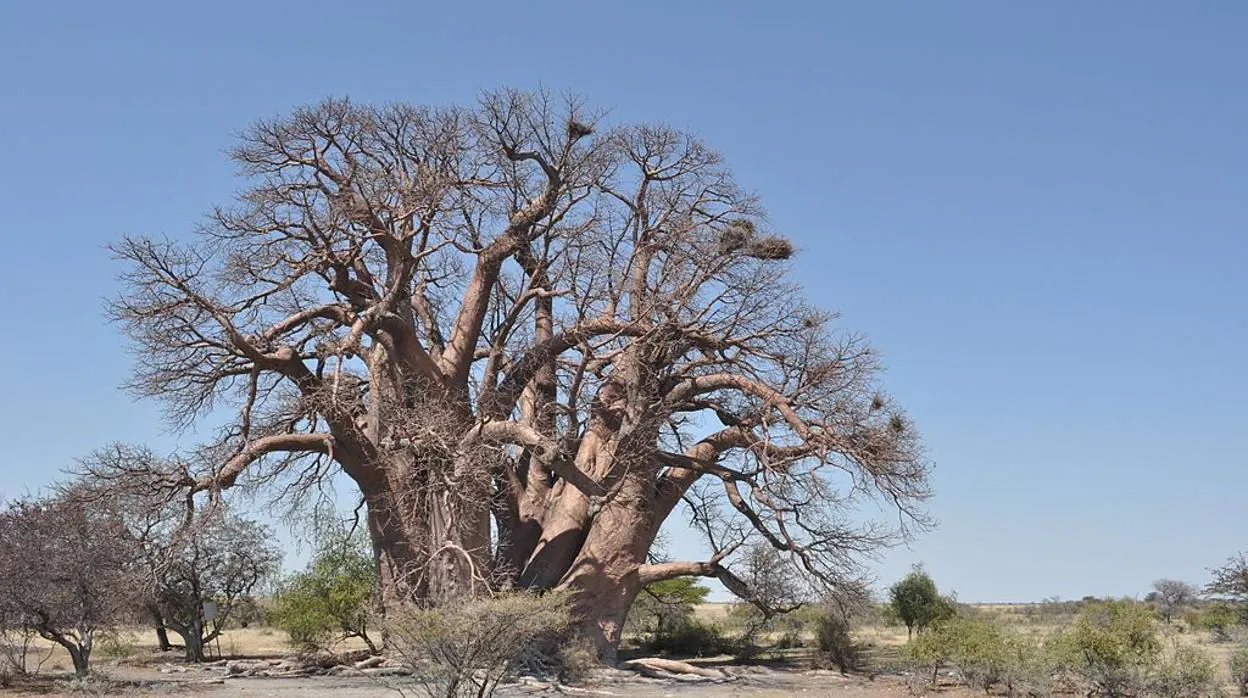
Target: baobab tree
{"type": "Point", "coordinates": [525, 337]}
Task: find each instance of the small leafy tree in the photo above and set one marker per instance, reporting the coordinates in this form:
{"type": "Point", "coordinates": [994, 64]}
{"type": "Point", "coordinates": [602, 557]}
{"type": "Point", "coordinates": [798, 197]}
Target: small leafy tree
{"type": "Point", "coordinates": [1113, 645]}
{"type": "Point", "coordinates": [332, 599]}
{"type": "Point", "coordinates": [66, 572]}
{"type": "Point", "coordinates": [666, 605]}
{"type": "Point", "coordinates": [918, 603]}
{"type": "Point", "coordinates": [1173, 597]}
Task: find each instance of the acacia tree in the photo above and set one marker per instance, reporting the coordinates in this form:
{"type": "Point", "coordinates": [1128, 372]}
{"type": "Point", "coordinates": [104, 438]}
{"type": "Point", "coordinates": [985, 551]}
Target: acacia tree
{"type": "Point", "coordinates": [525, 338]}
{"type": "Point", "coordinates": [183, 559]}
{"type": "Point", "coordinates": [1231, 579]}
{"type": "Point", "coordinates": [1172, 596]}
{"type": "Point", "coordinates": [221, 562]}
{"type": "Point", "coordinates": [662, 605]}
{"type": "Point", "coordinates": [66, 572]}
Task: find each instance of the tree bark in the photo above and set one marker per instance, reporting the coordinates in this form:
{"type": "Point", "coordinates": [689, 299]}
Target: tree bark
{"type": "Point", "coordinates": [565, 524]}
{"type": "Point", "coordinates": [162, 635]}
{"type": "Point", "coordinates": [394, 552]}
{"type": "Point", "coordinates": [81, 657]}
{"type": "Point", "coordinates": [192, 640]}
{"type": "Point", "coordinates": [605, 577]}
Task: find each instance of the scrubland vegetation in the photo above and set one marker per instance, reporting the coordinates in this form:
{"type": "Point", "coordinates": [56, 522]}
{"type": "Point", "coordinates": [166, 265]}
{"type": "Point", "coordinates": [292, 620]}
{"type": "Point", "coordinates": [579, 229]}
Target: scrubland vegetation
{"type": "Point", "coordinates": [915, 636]}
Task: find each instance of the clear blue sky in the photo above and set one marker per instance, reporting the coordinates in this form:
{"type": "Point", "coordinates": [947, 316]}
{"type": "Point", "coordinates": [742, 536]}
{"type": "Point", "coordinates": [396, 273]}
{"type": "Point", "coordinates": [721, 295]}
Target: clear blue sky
{"type": "Point", "coordinates": [1036, 210]}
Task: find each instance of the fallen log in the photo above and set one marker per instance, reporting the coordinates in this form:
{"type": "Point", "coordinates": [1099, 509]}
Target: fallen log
{"type": "Point", "coordinates": [648, 665]}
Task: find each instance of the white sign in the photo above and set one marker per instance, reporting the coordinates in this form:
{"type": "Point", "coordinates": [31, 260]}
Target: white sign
{"type": "Point", "coordinates": [210, 610]}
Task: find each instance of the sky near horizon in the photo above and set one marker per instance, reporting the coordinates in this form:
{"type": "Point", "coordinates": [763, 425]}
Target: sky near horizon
{"type": "Point", "coordinates": [1036, 211]}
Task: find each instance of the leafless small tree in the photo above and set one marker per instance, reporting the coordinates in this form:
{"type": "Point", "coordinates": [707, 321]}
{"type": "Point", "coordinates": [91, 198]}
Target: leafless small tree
{"type": "Point", "coordinates": [67, 572]}
{"type": "Point", "coordinates": [223, 562]}
{"type": "Point", "coordinates": [1172, 596]}
{"type": "Point", "coordinates": [1230, 581]}
{"type": "Point", "coordinates": [17, 644]}
{"type": "Point", "coordinates": [185, 557]}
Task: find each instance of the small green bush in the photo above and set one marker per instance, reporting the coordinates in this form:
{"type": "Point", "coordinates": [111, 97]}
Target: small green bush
{"type": "Point", "coordinates": [1113, 645]}
{"type": "Point", "coordinates": [835, 643]}
{"type": "Point", "coordinates": [986, 656]}
{"type": "Point", "coordinates": [975, 648]}
{"type": "Point", "coordinates": [691, 638]}
{"type": "Point", "coordinates": [1218, 618]}
{"type": "Point", "coordinates": [330, 600]}
{"type": "Point", "coordinates": [1238, 663]}
{"type": "Point", "coordinates": [116, 647]}
{"type": "Point", "coordinates": [1030, 667]}
{"type": "Point", "coordinates": [1184, 672]}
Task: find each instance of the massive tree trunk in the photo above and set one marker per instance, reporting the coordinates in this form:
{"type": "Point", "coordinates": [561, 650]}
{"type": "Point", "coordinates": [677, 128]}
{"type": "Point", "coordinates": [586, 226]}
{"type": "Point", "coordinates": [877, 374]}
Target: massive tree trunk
{"type": "Point", "coordinates": [396, 554]}
{"type": "Point", "coordinates": [604, 576]}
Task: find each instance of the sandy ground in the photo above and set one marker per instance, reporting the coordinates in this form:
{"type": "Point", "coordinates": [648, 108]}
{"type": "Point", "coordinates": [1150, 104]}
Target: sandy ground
{"type": "Point", "coordinates": [758, 683]}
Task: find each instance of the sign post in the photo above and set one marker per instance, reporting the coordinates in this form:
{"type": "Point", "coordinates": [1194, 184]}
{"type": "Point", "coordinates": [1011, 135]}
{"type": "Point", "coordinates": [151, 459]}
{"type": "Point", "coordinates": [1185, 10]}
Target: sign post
{"type": "Point", "coordinates": [210, 614]}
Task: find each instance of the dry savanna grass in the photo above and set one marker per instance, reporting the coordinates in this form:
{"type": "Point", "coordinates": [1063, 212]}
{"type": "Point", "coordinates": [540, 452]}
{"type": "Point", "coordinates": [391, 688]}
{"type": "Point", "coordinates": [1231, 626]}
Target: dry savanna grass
{"type": "Point", "coordinates": [884, 642]}
{"type": "Point", "coordinates": [138, 646]}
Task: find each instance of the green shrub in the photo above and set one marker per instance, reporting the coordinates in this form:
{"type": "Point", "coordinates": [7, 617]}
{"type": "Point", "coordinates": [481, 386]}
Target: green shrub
{"type": "Point", "coordinates": [986, 656]}
{"type": "Point", "coordinates": [1184, 672]}
{"type": "Point", "coordinates": [1030, 667]}
{"type": "Point", "coordinates": [331, 600]}
{"type": "Point", "coordinates": [1113, 645]}
{"type": "Point", "coordinates": [917, 602]}
{"type": "Point", "coordinates": [975, 648]}
{"type": "Point", "coordinates": [691, 638]}
{"type": "Point", "coordinates": [116, 647]}
{"type": "Point", "coordinates": [1218, 618]}
{"type": "Point", "coordinates": [1238, 664]}
{"type": "Point", "coordinates": [835, 643]}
